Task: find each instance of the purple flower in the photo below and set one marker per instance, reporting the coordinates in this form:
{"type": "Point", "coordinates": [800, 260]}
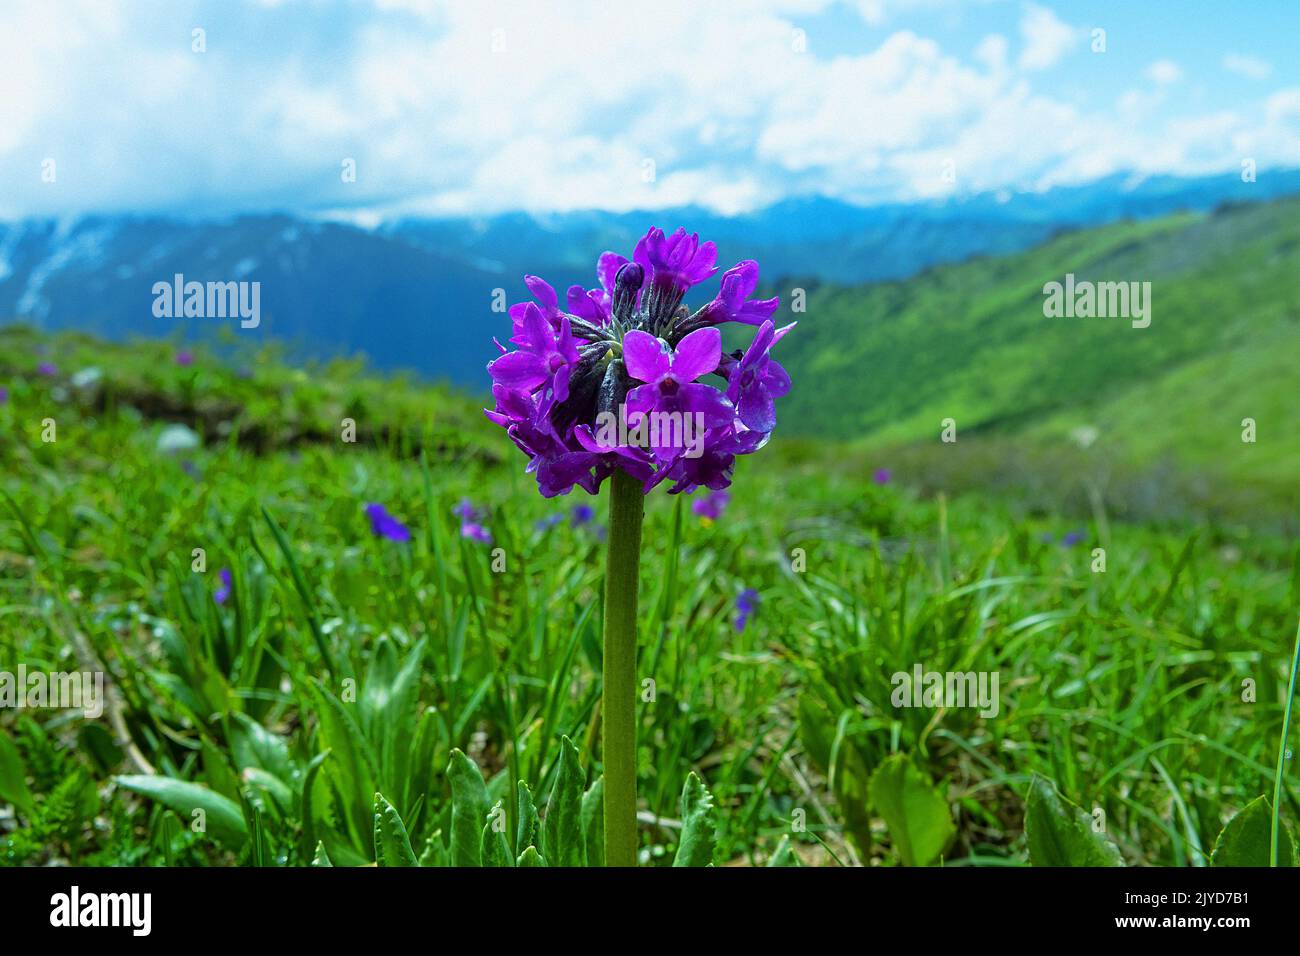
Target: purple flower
{"type": "Point", "coordinates": [542, 356]}
{"type": "Point", "coordinates": [384, 525]}
{"type": "Point", "coordinates": [48, 369]}
{"type": "Point", "coordinates": [584, 392]}
{"type": "Point", "coordinates": [549, 522]}
{"type": "Point", "coordinates": [754, 380]}
{"type": "Point", "coordinates": [711, 506]}
{"type": "Point", "coordinates": [881, 476]}
{"type": "Point", "coordinates": [4, 395]}
{"type": "Point", "coordinates": [222, 593]}
{"type": "Point", "coordinates": [1071, 538]}
{"type": "Point", "coordinates": [471, 522]}
{"type": "Point", "coordinates": [582, 514]}
{"type": "Point", "coordinates": [184, 359]}
{"type": "Point", "coordinates": [746, 604]}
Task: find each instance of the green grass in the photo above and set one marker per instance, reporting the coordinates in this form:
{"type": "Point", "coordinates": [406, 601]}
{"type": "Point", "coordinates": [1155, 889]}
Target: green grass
{"type": "Point", "coordinates": [970, 342]}
{"type": "Point", "coordinates": [345, 665]}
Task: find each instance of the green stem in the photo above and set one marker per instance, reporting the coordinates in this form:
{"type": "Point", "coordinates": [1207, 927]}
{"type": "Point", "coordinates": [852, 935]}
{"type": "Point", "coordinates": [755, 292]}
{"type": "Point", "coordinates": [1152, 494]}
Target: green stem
{"type": "Point", "coordinates": [1281, 751]}
{"type": "Point", "coordinates": [618, 709]}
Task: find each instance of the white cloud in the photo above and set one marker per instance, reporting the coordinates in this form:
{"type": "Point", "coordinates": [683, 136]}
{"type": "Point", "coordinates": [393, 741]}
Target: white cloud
{"type": "Point", "coordinates": [477, 107]}
{"type": "Point", "coordinates": [1164, 72]}
{"type": "Point", "coordinates": [1046, 38]}
{"type": "Point", "coordinates": [1251, 67]}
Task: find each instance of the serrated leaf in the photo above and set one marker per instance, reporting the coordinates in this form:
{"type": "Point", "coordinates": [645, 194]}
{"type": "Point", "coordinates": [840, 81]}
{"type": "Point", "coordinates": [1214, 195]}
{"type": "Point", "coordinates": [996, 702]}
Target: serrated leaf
{"type": "Point", "coordinates": [530, 857]}
{"type": "Point", "coordinates": [1248, 838]}
{"type": "Point", "coordinates": [469, 805]}
{"type": "Point", "coordinates": [224, 818]}
{"type": "Point", "coordinates": [321, 858]}
{"type": "Point", "coordinates": [1059, 833]}
{"type": "Point", "coordinates": [529, 824]}
{"type": "Point", "coordinates": [698, 829]}
{"type": "Point", "coordinates": [493, 848]}
{"type": "Point", "coordinates": [916, 813]}
{"type": "Point", "coordinates": [563, 843]}
{"type": "Point", "coordinates": [392, 842]}
{"type": "Point", "coordinates": [593, 823]}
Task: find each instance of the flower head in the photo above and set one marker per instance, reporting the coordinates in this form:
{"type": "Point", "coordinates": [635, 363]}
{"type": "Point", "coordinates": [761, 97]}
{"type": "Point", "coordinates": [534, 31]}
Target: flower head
{"type": "Point", "coordinates": [470, 522]}
{"type": "Point", "coordinates": [711, 506]}
{"type": "Point", "coordinates": [881, 476]}
{"type": "Point", "coordinates": [617, 381]}
{"type": "Point", "coordinates": [222, 593]}
{"type": "Point", "coordinates": [1071, 538]}
{"type": "Point", "coordinates": [48, 369]}
{"type": "Point", "coordinates": [746, 604]}
{"type": "Point", "coordinates": [184, 359]}
{"type": "Point", "coordinates": [582, 514]}
{"type": "Point", "coordinates": [384, 525]}
{"type": "Point", "coordinates": [4, 395]}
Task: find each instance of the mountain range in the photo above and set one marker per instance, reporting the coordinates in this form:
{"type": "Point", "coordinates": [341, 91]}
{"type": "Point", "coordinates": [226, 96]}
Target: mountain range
{"type": "Point", "coordinates": [419, 294]}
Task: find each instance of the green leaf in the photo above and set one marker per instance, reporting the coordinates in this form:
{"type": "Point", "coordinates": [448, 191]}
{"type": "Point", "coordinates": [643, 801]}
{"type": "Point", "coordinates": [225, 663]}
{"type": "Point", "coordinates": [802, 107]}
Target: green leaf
{"type": "Point", "coordinates": [493, 848]}
{"type": "Point", "coordinates": [916, 813]}
{"type": "Point", "coordinates": [784, 854]}
{"type": "Point", "coordinates": [224, 819]}
{"type": "Point", "coordinates": [698, 830]}
{"type": "Point", "coordinates": [321, 858]}
{"type": "Point", "coordinates": [255, 746]}
{"type": "Point", "coordinates": [13, 776]}
{"type": "Point", "coordinates": [528, 825]}
{"type": "Point", "coordinates": [530, 857]}
{"type": "Point", "coordinates": [1248, 837]}
{"type": "Point", "coordinates": [392, 843]}
{"type": "Point", "coordinates": [563, 842]}
{"type": "Point", "coordinates": [1060, 833]}
{"type": "Point", "coordinates": [469, 805]}
{"type": "Point", "coordinates": [593, 823]}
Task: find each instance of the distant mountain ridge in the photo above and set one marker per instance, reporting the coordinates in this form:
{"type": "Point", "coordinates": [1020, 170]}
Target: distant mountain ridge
{"type": "Point", "coordinates": [420, 294]}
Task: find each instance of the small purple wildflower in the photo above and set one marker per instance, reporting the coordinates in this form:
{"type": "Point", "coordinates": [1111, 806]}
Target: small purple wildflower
{"type": "Point", "coordinates": [48, 369]}
{"type": "Point", "coordinates": [184, 359]}
{"type": "Point", "coordinates": [711, 506]}
{"type": "Point", "coordinates": [4, 395]}
{"type": "Point", "coordinates": [1071, 538]}
{"type": "Point", "coordinates": [471, 522]}
{"type": "Point", "coordinates": [882, 476]}
{"type": "Point", "coordinates": [582, 514]}
{"type": "Point", "coordinates": [222, 593]}
{"type": "Point", "coordinates": [549, 522]}
{"type": "Point", "coordinates": [746, 604]}
{"type": "Point", "coordinates": [384, 525]}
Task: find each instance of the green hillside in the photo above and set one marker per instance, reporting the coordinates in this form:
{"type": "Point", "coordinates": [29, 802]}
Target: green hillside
{"type": "Point", "coordinates": [970, 342]}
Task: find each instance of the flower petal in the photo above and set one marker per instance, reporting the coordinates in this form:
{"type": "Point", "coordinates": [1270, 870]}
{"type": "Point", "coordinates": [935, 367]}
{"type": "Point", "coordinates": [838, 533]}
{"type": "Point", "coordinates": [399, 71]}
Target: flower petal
{"type": "Point", "coordinates": [697, 354]}
{"type": "Point", "coordinates": [519, 370]}
{"type": "Point", "coordinates": [757, 409]}
{"type": "Point", "coordinates": [646, 357]}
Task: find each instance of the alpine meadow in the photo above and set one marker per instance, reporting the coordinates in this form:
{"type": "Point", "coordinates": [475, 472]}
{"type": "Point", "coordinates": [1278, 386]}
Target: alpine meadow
{"type": "Point", "coordinates": [466, 437]}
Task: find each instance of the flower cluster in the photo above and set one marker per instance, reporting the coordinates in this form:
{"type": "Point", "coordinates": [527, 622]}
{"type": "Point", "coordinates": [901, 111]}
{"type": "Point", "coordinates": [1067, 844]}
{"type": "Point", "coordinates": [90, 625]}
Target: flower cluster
{"type": "Point", "coordinates": [629, 354]}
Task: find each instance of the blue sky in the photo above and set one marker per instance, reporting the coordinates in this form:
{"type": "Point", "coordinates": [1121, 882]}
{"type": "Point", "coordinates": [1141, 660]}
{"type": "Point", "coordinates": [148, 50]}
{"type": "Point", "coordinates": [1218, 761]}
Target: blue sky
{"type": "Point", "coordinates": [478, 106]}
